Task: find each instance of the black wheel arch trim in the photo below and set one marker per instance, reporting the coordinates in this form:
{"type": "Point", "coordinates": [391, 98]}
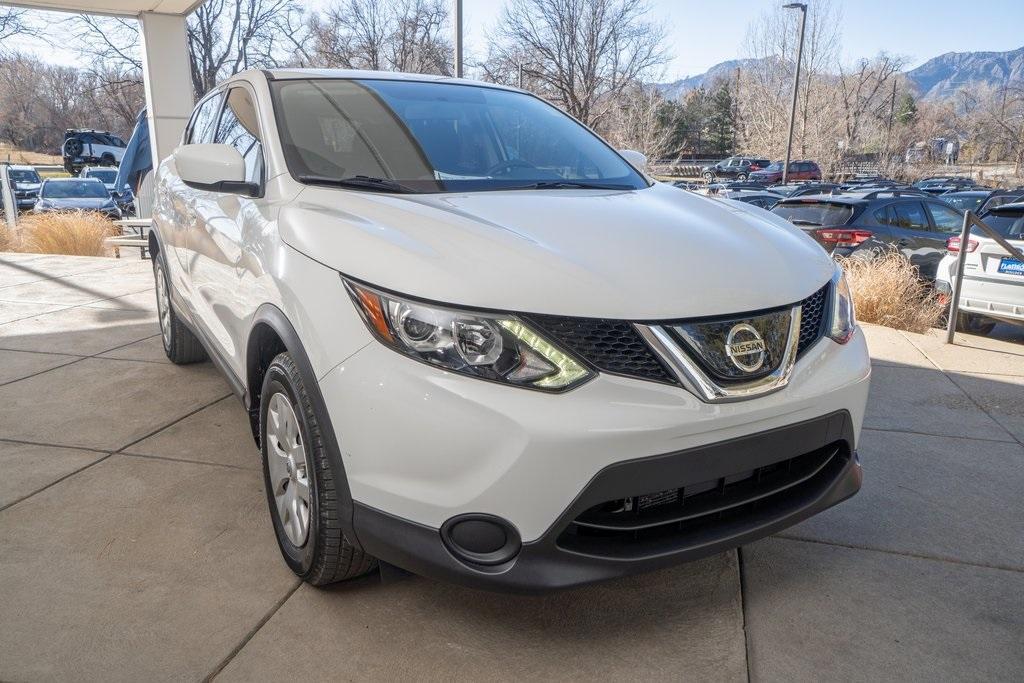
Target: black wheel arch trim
{"type": "Point", "coordinates": [274, 318]}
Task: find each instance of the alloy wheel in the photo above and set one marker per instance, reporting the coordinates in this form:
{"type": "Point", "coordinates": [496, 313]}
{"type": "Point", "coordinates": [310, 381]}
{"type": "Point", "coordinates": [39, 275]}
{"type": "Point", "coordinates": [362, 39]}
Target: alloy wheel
{"type": "Point", "coordinates": [288, 469]}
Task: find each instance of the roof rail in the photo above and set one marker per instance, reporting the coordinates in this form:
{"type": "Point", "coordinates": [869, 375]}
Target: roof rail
{"type": "Point", "coordinates": [895, 193]}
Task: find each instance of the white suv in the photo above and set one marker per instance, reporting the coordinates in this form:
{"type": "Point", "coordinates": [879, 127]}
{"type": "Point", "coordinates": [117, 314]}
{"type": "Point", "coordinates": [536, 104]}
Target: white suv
{"type": "Point", "coordinates": [475, 343]}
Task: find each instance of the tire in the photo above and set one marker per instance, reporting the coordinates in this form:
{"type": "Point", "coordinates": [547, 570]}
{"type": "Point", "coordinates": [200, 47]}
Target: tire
{"type": "Point", "coordinates": [709, 176]}
{"type": "Point", "coordinates": [107, 160]}
{"type": "Point", "coordinates": [181, 346]}
{"type": "Point", "coordinates": [741, 177]}
{"type": "Point", "coordinates": [300, 482]}
{"type": "Point", "coordinates": [973, 323]}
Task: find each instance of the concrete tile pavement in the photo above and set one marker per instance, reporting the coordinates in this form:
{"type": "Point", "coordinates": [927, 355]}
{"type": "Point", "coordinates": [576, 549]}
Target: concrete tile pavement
{"type": "Point", "coordinates": [136, 543]}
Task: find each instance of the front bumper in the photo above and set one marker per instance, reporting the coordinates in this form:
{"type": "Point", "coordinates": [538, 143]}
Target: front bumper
{"type": "Point", "coordinates": [562, 557]}
{"type": "Point", "coordinates": [421, 446]}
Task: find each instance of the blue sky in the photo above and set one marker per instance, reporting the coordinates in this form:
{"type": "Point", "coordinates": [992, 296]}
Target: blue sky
{"type": "Point", "coordinates": [701, 34]}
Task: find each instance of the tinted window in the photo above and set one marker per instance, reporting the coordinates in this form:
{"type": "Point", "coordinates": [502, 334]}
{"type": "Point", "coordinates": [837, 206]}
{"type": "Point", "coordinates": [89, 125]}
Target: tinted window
{"type": "Point", "coordinates": [203, 120]}
{"type": "Point", "coordinates": [776, 166]}
{"type": "Point", "coordinates": [73, 189]}
{"type": "Point", "coordinates": [1010, 224]}
{"type": "Point", "coordinates": [964, 202]}
{"type": "Point", "coordinates": [910, 216]}
{"type": "Point", "coordinates": [20, 176]}
{"type": "Point", "coordinates": [999, 201]}
{"type": "Point", "coordinates": [436, 137]}
{"type": "Point", "coordinates": [946, 220]}
{"type": "Point", "coordinates": [239, 127]}
{"type": "Point", "coordinates": [814, 213]}
{"type": "Point", "coordinates": [103, 174]}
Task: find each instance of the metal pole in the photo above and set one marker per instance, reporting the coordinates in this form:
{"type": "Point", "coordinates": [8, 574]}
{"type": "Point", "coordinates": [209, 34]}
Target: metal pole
{"type": "Point", "coordinates": [458, 38]}
{"type": "Point", "coordinates": [10, 206]}
{"type": "Point", "coordinates": [796, 83]}
{"type": "Point", "coordinates": [961, 259]}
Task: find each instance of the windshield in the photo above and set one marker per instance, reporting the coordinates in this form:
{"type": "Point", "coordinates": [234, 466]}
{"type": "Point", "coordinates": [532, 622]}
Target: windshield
{"type": "Point", "coordinates": [964, 202]}
{"type": "Point", "coordinates": [1010, 224]}
{"type": "Point", "coordinates": [814, 213]}
{"type": "Point", "coordinates": [438, 137]}
{"type": "Point", "coordinates": [21, 176]}
{"type": "Point", "coordinates": [74, 189]}
{"type": "Point", "coordinates": [775, 166]}
{"type": "Point", "coordinates": [999, 200]}
{"type": "Point", "coordinates": [105, 175]}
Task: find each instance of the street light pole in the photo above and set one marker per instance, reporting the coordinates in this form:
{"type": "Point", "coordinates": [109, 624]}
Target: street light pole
{"type": "Point", "coordinates": [796, 83]}
{"type": "Point", "coordinates": [457, 18]}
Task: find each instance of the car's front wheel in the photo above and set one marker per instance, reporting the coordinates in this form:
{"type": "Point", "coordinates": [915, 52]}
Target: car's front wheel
{"type": "Point", "coordinates": [180, 345]}
{"type": "Point", "coordinates": [301, 482]}
{"type": "Point", "coordinates": [973, 323]}
{"type": "Point", "coordinates": [741, 176]}
{"type": "Point", "coordinates": [709, 176]}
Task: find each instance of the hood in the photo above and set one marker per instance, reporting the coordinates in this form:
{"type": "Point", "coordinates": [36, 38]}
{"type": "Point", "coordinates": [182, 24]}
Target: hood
{"type": "Point", "coordinates": [78, 203]}
{"type": "Point", "coordinates": [650, 254]}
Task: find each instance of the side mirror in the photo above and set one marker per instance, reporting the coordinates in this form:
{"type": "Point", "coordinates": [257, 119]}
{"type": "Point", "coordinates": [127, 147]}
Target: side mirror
{"type": "Point", "coordinates": [215, 168]}
{"type": "Point", "coordinates": [635, 159]}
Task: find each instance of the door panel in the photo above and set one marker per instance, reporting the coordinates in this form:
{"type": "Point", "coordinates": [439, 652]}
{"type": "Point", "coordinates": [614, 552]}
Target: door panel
{"type": "Point", "coordinates": [223, 271]}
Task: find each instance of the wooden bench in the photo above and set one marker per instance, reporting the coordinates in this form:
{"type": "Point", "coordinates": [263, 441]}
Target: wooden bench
{"type": "Point", "coordinates": [133, 234]}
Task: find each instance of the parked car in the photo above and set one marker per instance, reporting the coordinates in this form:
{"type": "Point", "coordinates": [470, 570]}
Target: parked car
{"type": "Point", "coordinates": [943, 184]}
{"type": "Point", "coordinates": [800, 189]}
{"type": "Point", "coordinates": [68, 194]}
{"type": "Point", "coordinates": [25, 182]}
{"type": "Point", "coordinates": [981, 200]}
{"type": "Point", "coordinates": [739, 168]}
{"type": "Point", "coordinates": [798, 170]}
{"type": "Point", "coordinates": [917, 224]}
{"type": "Point", "coordinates": [421, 327]}
{"type": "Point", "coordinates": [993, 286]}
{"type": "Point", "coordinates": [125, 198]}
{"type": "Point", "coordinates": [761, 198]}
{"type": "Point", "coordinates": [82, 147]}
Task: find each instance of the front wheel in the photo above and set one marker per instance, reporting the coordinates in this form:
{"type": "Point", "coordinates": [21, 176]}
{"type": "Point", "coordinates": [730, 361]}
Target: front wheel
{"type": "Point", "coordinates": [741, 177]}
{"type": "Point", "coordinates": [301, 482]}
{"type": "Point", "coordinates": [709, 176]}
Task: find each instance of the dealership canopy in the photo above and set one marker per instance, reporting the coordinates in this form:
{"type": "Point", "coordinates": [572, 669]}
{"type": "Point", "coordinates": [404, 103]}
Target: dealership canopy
{"type": "Point", "coordinates": [165, 60]}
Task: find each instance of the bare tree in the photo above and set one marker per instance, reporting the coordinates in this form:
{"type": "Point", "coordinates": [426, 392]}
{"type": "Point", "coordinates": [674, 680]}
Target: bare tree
{"type": "Point", "coordinates": [864, 93]}
{"type": "Point", "coordinates": [643, 121]}
{"type": "Point", "coordinates": [15, 22]}
{"type": "Point", "coordinates": [381, 35]}
{"type": "Point", "coordinates": [580, 54]}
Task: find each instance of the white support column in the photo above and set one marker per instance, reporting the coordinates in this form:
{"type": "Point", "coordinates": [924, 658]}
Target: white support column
{"type": "Point", "coordinates": [165, 71]}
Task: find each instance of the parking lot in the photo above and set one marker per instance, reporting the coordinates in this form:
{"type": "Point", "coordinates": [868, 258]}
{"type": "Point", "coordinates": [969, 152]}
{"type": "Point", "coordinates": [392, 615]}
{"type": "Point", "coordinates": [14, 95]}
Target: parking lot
{"type": "Point", "coordinates": [135, 543]}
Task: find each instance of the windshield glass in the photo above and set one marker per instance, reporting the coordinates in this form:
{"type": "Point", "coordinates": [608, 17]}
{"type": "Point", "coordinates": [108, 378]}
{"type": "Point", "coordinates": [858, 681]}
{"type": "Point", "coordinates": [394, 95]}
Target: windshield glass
{"type": "Point", "coordinates": [22, 176]}
{"type": "Point", "coordinates": [1010, 224]}
{"type": "Point", "coordinates": [775, 166]}
{"type": "Point", "coordinates": [964, 202]}
{"type": "Point", "coordinates": [438, 137]}
{"type": "Point", "coordinates": [999, 200]}
{"type": "Point", "coordinates": [74, 189]}
{"type": "Point", "coordinates": [105, 175]}
{"type": "Point", "coordinates": [814, 213]}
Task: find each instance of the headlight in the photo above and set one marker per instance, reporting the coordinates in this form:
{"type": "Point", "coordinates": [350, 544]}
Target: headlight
{"type": "Point", "coordinates": [492, 346]}
{"type": "Point", "coordinates": [843, 320]}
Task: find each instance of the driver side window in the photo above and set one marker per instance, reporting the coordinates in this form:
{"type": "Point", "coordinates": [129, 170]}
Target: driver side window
{"type": "Point", "coordinates": [201, 128]}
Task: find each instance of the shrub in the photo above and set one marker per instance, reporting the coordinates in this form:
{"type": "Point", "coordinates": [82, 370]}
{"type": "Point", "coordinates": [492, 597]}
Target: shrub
{"type": "Point", "coordinates": [76, 233]}
{"type": "Point", "coordinates": [888, 290]}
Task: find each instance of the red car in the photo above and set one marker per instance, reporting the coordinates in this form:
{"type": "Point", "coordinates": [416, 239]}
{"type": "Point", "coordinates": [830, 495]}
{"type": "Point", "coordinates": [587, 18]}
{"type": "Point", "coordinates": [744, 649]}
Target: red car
{"type": "Point", "coordinates": [798, 170]}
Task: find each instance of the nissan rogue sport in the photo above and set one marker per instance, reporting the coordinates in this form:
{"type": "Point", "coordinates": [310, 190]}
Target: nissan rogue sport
{"type": "Point", "coordinates": [477, 343]}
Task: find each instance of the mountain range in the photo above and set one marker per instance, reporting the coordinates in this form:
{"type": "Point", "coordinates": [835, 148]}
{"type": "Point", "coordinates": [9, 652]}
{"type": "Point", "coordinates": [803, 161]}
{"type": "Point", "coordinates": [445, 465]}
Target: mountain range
{"type": "Point", "coordinates": [936, 79]}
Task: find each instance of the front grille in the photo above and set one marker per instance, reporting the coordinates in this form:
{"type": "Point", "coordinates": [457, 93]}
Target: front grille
{"type": "Point", "coordinates": [609, 345]}
{"type": "Point", "coordinates": [812, 319]}
{"type": "Point", "coordinates": [697, 513]}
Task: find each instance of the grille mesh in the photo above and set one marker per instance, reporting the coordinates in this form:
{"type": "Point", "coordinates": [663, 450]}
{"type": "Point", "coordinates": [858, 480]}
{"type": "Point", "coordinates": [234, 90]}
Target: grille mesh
{"type": "Point", "coordinates": [609, 345]}
{"type": "Point", "coordinates": [812, 319]}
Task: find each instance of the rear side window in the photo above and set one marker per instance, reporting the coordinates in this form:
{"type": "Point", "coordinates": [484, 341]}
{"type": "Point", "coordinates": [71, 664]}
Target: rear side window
{"type": "Point", "coordinates": [815, 213]}
{"type": "Point", "coordinates": [240, 127]}
{"type": "Point", "coordinates": [203, 121]}
{"type": "Point", "coordinates": [908, 215]}
{"type": "Point", "coordinates": [946, 220]}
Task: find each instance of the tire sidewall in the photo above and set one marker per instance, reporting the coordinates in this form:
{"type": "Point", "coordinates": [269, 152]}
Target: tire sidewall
{"type": "Point", "coordinates": [300, 560]}
{"type": "Point", "coordinates": [160, 271]}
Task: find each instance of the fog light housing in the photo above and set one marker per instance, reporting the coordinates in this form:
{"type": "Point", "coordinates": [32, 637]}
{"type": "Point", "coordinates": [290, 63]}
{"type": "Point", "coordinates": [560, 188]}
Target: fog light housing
{"type": "Point", "coordinates": [481, 539]}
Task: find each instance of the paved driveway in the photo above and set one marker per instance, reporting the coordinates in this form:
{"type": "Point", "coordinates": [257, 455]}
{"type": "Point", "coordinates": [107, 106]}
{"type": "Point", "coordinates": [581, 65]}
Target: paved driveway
{"type": "Point", "coordinates": [135, 543]}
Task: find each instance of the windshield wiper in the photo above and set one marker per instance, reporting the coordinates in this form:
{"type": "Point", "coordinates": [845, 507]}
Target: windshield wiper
{"type": "Point", "coordinates": [570, 185]}
{"type": "Point", "coordinates": [361, 182]}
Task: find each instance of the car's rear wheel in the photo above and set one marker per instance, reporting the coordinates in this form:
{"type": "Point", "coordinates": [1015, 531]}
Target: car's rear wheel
{"type": "Point", "coordinates": [973, 323]}
{"type": "Point", "coordinates": [181, 346]}
{"type": "Point", "coordinates": [741, 176]}
{"type": "Point", "coordinates": [709, 176]}
{"type": "Point", "coordinates": [301, 482]}
{"type": "Point", "coordinates": [107, 160]}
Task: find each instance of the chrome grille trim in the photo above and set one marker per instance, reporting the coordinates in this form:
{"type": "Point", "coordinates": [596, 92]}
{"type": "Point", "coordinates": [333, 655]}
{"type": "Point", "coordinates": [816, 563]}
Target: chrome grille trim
{"type": "Point", "coordinates": [697, 382]}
